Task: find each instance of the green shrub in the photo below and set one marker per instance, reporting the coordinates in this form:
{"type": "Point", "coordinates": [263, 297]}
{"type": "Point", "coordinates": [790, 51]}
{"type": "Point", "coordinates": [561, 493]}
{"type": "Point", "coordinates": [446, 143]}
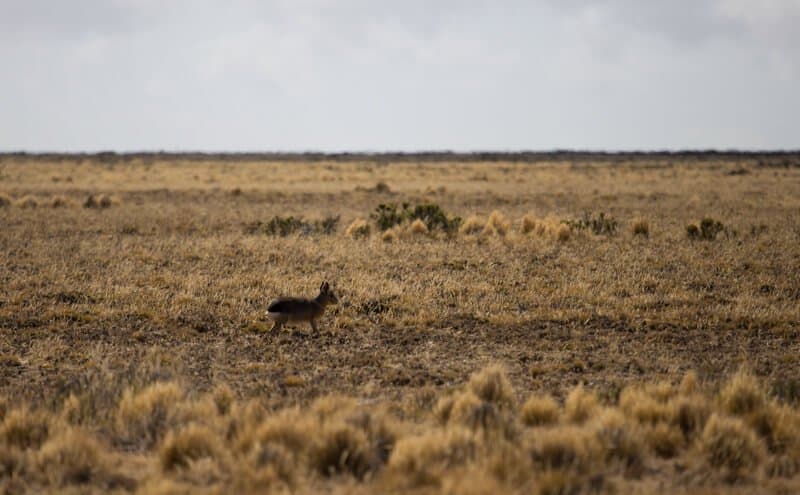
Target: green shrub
{"type": "Point", "coordinates": [389, 215]}
{"type": "Point", "coordinates": [284, 226]}
{"type": "Point", "coordinates": [386, 216]}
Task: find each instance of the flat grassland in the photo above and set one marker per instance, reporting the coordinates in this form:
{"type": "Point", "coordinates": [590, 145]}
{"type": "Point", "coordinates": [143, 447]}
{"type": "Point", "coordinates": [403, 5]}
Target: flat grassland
{"type": "Point", "coordinates": [572, 334]}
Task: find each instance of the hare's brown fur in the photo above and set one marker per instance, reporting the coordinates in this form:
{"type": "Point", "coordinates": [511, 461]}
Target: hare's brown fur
{"type": "Point", "coordinates": [292, 309]}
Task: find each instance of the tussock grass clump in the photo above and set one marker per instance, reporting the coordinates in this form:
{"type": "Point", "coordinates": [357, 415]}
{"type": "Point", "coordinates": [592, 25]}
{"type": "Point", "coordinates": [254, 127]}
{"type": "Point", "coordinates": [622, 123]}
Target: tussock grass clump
{"type": "Point", "coordinates": [690, 414]}
{"type": "Point", "coordinates": [497, 224]}
{"type": "Point", "coordinates": [664, 439]}
{"type": "Point", "coordinates": [707, 230]}
{"type": "Point", "coordinates": [619, 440]}
{"type": "Point", "coordinates": [418, 227]}
{"type": "Point", "coordinates": [729, 444]}
{"type": "Point", "coordinates": [421, 459]}
{"type": "Point", "coordinates": [341, 449]}
{"type": "Point", "coordinates": [390, 235]}
{"type": "Point", "coordinates": [472, 225]}
{"type": "Point", "coordinates": [742, 394]}
{"type": "Point", "coordinates": [539, 410]}
{"type": "Point", "coordinates": [59, 202]}
{"type": "Point", "coordinates": [72, 457]}
{"type": "Point", "coordinates": [101, 201]}
{"type": "Point", "coordinates": [25, 429]}
{"type": "Point", "coordinates": [643, 407]}
{"type": "Point", "coordinates": [600, 224]}
{"type": "Point", "coordinates": [289, 428]}
{"type": "Point", "coordinates": [569, 448]}
{"type": "Point", "coordinates": [563, 233]}
{"type": "Point", "coordinates": [471, 412]}
{"type": "Point", "coordinates": [194, 442]}
{"type": "Point", "coordinates": [27, 202]}
{"type": "Point", "coordinates": [143, 417]}
{"type": "Point", "coordinates": [640, 227]}
{"type": "Point", "coordinates": [580, 405]}
{"type": "Point", "coordinates": [359, 228]}
{"type": "Point", "coordinates": [528, 224]}
{"type": "Point", "coordinates": [492, 385]}
{"type": "Point", "coordinates": [5, 201]}
{"type": "Point", "coordinates": [444, 408]}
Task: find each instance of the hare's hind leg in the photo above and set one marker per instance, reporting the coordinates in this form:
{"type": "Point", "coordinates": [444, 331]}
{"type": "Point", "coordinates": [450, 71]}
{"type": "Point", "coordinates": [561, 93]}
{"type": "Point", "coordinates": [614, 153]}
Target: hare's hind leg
{"type": "Point", "coordinates": [278, 321]}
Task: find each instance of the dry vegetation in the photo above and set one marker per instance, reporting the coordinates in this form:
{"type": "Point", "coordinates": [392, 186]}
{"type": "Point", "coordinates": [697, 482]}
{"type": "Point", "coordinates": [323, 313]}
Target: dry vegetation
{"type": "Point", "coordinates": [590, 326]}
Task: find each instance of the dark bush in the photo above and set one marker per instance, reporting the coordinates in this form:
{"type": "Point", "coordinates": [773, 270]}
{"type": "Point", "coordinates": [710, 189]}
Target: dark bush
{"type": "Point", "coordinates": [387, 216]}
{"type": "Point", "coordinates": [708, 230]}
{"type": "Point", "coordinates": [285, 226]}
{"type": "Point", "coordinates": [599, 224]}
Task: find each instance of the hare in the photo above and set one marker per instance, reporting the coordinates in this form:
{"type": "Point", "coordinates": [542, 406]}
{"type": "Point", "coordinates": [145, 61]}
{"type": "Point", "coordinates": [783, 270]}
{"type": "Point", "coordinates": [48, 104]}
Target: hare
{"type": "Point", "coordinates": [288, 309]}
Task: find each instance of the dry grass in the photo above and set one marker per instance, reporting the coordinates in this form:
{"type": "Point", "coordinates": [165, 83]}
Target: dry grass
{"type": "Point", "coordinates": [135, 354]}
{"type": "Point", "coordinates": [539, 411]}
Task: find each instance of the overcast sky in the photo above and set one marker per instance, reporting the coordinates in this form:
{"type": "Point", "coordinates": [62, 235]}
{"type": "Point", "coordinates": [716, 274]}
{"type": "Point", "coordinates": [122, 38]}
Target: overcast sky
{"type": "Point", "coordinates": [88, 75]}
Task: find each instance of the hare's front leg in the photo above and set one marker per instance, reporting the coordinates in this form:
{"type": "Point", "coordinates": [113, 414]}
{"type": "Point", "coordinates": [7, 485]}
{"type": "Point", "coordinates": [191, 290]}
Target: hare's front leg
{"type": "Point", "coordinates": [313, 325]}
{"type": "Point", "coordinates": [276, 326]}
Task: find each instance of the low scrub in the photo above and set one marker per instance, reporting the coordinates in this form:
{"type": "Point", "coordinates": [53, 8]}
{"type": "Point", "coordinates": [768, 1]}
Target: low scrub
{"type": "Point", "coordinates": [708, 230]}
{"type": "Point", "coordinates": [598, 224]}
{"type": "Point", "coordinates": [388, 215]}
{"type": "Point", "coordinates": [279, 226]}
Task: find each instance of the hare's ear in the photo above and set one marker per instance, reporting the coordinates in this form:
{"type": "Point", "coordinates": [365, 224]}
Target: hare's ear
{"type": "Point", "coordinates": [324, 287]}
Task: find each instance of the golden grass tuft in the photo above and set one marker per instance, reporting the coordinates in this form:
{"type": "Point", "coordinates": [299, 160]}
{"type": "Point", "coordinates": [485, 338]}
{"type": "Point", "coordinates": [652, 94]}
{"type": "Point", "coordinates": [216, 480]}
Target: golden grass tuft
{"type": "Point", "coordinates": [664, 439]}
{"type": "Point", "coordinates": [497, 224]}
{"type": "Point", "coordinates": [333, 406]}
{"type": "Point", "coordinates": [472, 225]}
{"type": "Point", "coordinates": [72, 457]}
{"type": "Point", "coordinates": [25, 429]}
{"type": "Point", "coordinates": [492, 385]}
{"type": "Point", "coordinates": [358, 228]}
{"type": "Point", "coordinates": [421, 459]}
{"type": "Point", "coordinates": [476, 414]}
{"type": "Point", "coordinates": [444, 408]}
{"type": "Point", "coordinates": [690, 413]}
{"type": "Point", "coordinates": [101, 201]}
{"type": "Point", "coordinates": [640, 227]}
{"type": "Point", "coordinates": [570, 448]}
{"type": "Point", "coordinates": [418, 227]}
{"type": "Point", "coordinates": [340, 448]}
{"type": "Point", "coordinates": [688, 383]}
{"type": "Point", "coordinates": [742, 394]}
{"type": "Point", "coordinates": [224, 398]}
{"type": "Point", "coordinates": [539, 410]}
{"type": "Point", "coordinates": [27, 202]}
{"type": "Point", "coordinates": [143, 417]}
{"type": "Point", "coordinates": [528, 224]}
{"type": "Point", "coordinates": [389, 235]}
{"type": "Point", "coordinates": [563, 233]}
{"type": "Point", "coordinates": [619, 439]}
{"type": "Point", "coordinates": [580, 405]}
{"type": "Point", "coordinates": [59, 202]}
{"type": "Point", "coordinates": [289, 428]}
{"type": "Point", "coordinates": [192, 443]}
{"type": "Point", "coordinates": [637, 403]}
{"type": "Point", "coordinates": [729, 444]}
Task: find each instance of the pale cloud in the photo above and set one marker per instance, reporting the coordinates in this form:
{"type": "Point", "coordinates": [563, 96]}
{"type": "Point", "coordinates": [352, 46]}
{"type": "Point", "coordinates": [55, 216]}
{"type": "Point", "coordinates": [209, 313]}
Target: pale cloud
{"type": "Point", "coordinates": [363, 75]}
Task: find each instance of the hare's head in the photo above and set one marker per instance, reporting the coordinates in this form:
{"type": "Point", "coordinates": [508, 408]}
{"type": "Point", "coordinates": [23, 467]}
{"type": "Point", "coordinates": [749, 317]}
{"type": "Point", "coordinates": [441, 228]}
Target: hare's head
{"type": "Point", "coordinates": [326, 295]}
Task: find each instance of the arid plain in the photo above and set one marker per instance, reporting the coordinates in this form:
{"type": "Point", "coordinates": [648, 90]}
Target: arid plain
{"type": "Point", "coordinates": [563, 323]}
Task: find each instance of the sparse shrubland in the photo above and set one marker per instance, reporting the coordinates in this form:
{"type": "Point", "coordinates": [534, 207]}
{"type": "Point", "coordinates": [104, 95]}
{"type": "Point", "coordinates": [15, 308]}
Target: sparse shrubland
{"type": "Point", "coordinates": [135, 356]}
